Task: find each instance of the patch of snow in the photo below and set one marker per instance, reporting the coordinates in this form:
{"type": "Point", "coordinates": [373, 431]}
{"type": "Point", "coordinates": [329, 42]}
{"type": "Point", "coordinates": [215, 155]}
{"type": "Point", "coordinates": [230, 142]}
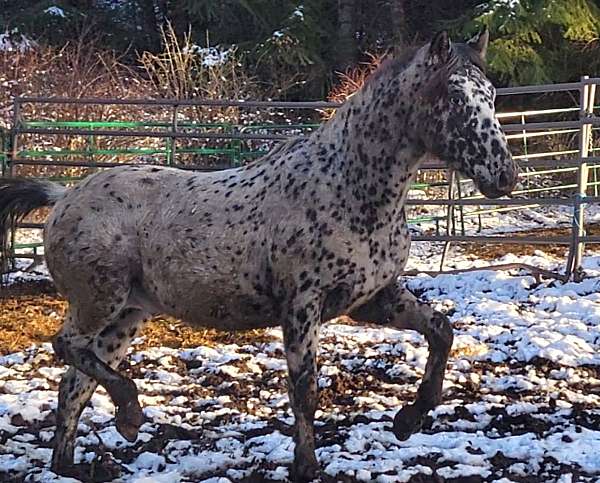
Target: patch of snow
{"type": "Point", "coordinates": [13, 41]}
{"type": "Point", "coordinates": [210, 56]}
{"type": "Point", "coordinates": [55, 11]}
{"type": "Point", "coordinates": [298, 12]}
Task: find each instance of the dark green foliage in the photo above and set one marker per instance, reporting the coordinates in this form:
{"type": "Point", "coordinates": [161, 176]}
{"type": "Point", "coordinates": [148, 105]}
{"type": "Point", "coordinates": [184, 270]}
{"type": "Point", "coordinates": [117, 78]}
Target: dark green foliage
{"type": "Point", "coordinates": [537, 41]}
{"type": "Point", "coordinates": [117, 24]}
{"type": "Point", "coordinates": [284, 42]}
{"type": "Point", "coordinates": [294, 47]}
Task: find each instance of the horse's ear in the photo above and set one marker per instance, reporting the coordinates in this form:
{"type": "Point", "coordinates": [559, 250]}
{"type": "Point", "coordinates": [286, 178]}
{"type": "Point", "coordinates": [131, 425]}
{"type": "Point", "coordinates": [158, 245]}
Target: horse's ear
{"type": "Point", "coordinates": [480, 42]}
{"type": "Point", "coordinates": [439, 48]}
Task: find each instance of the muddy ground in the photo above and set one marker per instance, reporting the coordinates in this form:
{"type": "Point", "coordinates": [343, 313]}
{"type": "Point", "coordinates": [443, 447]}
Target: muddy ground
{"type": "Point", "coordinates": [216, 406]}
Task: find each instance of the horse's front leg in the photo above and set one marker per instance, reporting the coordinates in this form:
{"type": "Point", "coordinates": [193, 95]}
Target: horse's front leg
{"type": "Point", "coordinates": [300, 336]}
{"type": "Point", "coordinates": [399, 308]}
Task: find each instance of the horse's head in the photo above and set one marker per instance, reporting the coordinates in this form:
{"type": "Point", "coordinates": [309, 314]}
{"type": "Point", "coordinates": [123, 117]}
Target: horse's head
{"type": "Point", "coordinates": [458, 123]}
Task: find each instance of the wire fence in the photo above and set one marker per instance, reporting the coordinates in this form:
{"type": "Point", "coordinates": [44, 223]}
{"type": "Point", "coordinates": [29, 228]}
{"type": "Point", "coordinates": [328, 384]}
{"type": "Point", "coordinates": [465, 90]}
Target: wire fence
{"type": "Point", "coordinates": [554, 146]}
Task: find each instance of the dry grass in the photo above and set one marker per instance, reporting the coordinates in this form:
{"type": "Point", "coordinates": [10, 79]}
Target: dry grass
{"type": "Point", "coordinates": [85, 69]}
{"type": "Point", "coordinates": [79, 69]}
{"type": "Point", "coordinates": [180, 71]}
{"type": "Point", "coordinates": [354, 78]}
{"type": "Point", "coordinates": [28, 319]}
{"type": "Point", "coordinates": [469, 351]}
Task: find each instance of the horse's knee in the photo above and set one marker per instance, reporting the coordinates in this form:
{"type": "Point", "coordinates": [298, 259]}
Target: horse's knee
{"type": "Point", "coordinates": [68, 381]}
{"type": "Point", "coordinates": [68, 340]}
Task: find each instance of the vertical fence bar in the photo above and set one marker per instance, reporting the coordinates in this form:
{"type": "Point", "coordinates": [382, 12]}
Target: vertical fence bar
{"type": "Point", "coordinates": [449, 217]}
{"type": "Point", "coordinates": [4, 153]}
{"type": "Point", "coordinates": [525, 152]}
{"type": "Point", "coordinates": [91, 146]}
{"type": "Point", "coordinates": [174, 138]}
{"type": "Point", "coordinates": [590, 145]}
{"type": "Point", "coordinates": [236, 145]}
{"type": "Point", "coordinates": [461, 209]}
{"type": "Point", "coordinates": [585, 110]}
{"type": "Point", "coordinates": [14, 132]}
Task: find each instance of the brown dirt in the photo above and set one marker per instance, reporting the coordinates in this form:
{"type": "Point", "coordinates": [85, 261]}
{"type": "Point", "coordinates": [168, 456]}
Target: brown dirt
{"type": "Point", "coordinates": [32, 313]}
{"type": "Point", "coordinates": [492, 251]}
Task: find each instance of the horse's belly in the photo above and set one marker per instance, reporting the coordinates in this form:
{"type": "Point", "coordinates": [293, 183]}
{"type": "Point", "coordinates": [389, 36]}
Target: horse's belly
{"type": "Point", "coordinates": [229, 312]}
{"type": "Point", "coordinates": [212, 303]}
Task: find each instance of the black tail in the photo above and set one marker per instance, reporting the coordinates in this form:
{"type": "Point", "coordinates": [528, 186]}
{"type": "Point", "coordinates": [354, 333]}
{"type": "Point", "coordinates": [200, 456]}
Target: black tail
{"type": "Point", "coordinates": [18, 197]}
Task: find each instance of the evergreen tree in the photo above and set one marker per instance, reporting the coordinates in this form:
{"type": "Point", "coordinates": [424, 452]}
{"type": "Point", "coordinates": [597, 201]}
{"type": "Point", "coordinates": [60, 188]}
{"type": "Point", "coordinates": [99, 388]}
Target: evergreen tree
{"type": "Point", "coordinates": [295, 47]}
{"type": "Point", "coordinates": [537, 41]}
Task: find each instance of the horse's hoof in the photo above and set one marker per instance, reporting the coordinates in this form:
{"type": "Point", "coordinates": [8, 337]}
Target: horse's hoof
{"type": "Point", "coordinates": [407, 421]}
{"type": "Point", "coordinates": [70, 470]}
{"type": "Point", "coordinates": [62, 456]}
{"type": "Point", "coordinates": [305, 471]}
{"type": "Point", "coordinates": [129, 418]}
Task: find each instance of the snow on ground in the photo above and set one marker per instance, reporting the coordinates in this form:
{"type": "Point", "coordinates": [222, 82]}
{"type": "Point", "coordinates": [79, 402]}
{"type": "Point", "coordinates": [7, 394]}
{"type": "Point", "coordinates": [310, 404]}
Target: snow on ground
{"type": "Point", "coordinates": [55, 11]}
{"type": "Point", "coordinates": [521, 395]}
{"type": "Point", "coordinates": [509, 221]}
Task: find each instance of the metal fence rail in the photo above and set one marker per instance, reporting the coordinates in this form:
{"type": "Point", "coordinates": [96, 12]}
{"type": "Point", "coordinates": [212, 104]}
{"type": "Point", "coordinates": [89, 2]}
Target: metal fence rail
{"type": "Point", "coordinates": [238, 143]}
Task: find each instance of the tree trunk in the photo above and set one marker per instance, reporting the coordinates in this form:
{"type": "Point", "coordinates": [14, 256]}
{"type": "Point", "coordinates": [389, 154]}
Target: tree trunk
{"type": "Point", "coordinates": [161, 12]}
{"type": "Point", "coordinates": [346, 39]}
{"type": "Point", "coordinates": [177, 14]}
{"type": "Point", "coordinates": [398, 13]}
{"type": "Point", "coordinates": [151, 28]}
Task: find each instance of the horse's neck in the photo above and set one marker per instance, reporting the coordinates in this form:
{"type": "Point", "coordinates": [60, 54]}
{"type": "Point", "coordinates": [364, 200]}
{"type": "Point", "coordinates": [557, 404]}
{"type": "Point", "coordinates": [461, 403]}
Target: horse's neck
{"type": "Point", "coordinates": [374, 136]}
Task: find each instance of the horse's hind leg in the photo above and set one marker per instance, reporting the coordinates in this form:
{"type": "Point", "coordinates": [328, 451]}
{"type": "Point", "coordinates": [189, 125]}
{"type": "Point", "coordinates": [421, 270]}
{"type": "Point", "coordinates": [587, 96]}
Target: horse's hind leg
{"type": "Point", "coordinates": [107, 347]}
{"type": "Point", "coordinates": [300, 336]}
{"type": "Point", "coordinates": [397, 307]}
{"type": "Point", "coordinates": [74, 392]}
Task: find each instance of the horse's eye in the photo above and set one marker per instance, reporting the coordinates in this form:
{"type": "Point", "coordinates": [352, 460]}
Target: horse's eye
{"type": "Point", "coordinates": [457, 101]}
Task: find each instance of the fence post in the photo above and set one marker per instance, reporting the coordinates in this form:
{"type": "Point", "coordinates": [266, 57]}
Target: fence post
{"type": "Point", "coordinates": [460, 208]}
{"type": "Point", "coordinates": [586, 109]}
{"type": "Point", "coordinates": [236, 145]}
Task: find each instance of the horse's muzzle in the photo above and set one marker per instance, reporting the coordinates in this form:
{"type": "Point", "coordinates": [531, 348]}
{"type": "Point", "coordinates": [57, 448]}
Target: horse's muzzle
{"type": "Point", "coordinates": [504, 185]}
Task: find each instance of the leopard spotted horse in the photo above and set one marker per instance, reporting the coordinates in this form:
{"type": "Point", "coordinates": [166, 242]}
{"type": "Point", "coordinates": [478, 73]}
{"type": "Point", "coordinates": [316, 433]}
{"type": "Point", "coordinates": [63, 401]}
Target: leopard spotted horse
{"type": "Point", "coordinates": [313, 231]}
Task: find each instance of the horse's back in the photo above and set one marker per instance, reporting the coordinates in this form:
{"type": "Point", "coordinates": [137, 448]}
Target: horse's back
{"type": "Point", "coordinates": [91, 238]}
{"type": "Point", "coordinates": [103, 210]}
